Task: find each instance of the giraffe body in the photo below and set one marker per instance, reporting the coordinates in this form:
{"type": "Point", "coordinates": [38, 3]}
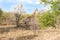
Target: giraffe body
{"type": "Point", "coordinates": [31, 21]}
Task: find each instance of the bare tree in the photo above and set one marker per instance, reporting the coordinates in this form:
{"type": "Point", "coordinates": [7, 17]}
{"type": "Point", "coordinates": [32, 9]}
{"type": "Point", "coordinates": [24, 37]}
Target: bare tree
{"type": "Point", "coordinates": [18, 12]}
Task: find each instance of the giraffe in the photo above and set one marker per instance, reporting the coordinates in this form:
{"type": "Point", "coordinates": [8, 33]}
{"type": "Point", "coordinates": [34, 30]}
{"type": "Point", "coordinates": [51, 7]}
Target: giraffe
{"type": "Point", "coordinates": [30, 20]}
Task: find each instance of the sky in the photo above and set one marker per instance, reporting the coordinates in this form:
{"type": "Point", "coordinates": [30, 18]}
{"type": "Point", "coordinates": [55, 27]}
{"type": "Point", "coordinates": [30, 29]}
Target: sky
{"type": "Point", "coordinates": [29, 5]}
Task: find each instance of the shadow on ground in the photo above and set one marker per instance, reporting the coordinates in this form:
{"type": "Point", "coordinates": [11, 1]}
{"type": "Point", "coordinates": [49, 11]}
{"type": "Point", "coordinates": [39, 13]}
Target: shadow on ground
{"type": "Point", "coordinates": [7, 29]}
{"type": "Point", "coordinates": [28, 37]}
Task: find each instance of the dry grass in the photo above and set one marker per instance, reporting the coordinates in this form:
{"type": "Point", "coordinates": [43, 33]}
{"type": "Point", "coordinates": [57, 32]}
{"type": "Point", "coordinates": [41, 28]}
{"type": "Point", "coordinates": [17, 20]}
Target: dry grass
{"type": "Point", "coordinates": [13, 33]}
{"type": "Point", "coordinates": [18, 34]}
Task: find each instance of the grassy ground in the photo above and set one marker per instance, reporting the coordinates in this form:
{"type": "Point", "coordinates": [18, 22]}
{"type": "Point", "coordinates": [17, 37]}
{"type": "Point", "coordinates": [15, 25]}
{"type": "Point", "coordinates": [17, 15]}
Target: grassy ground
{"type": "Point", "coordinates": [19, 34]}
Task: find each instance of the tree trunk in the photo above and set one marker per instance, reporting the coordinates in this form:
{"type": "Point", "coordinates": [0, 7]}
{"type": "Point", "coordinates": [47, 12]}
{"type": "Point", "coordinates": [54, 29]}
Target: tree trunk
{"type": "Point", "coordinates": [17, 22]}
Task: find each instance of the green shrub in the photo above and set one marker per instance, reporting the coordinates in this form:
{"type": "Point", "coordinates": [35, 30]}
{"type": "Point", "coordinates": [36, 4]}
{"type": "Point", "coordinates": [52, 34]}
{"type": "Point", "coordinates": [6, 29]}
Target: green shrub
{"type": "Point", "coordinates": [47, 19]}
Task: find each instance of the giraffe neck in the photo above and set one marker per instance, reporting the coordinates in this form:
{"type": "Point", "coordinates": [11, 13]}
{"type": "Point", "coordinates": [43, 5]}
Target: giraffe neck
{"type": "Point", "coordinates": [34, 14]}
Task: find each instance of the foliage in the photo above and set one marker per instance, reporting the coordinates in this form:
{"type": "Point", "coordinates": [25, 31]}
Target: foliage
{"type": "Point", "coordinates": [55, 4]}
{"type": "Point", "coordinates": [19, 10]}
{"type": "Point", "coordinates": [47, 19]}
{"type": "Point", "coordinates": [1, 12]}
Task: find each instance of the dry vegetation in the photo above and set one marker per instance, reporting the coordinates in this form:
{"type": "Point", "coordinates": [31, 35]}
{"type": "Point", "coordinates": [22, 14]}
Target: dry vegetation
{"type": "Point", "coordinates": [22, 34]}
